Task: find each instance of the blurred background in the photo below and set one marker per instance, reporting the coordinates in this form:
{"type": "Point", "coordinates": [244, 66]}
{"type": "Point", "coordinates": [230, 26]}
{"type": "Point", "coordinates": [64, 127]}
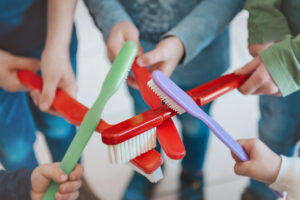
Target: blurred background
{"type": "Point", "coordinates": [236, 113]}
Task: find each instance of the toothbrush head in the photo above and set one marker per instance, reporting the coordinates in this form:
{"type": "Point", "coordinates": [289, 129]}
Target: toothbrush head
{"type": "Point", "coordinates": [171, 94]}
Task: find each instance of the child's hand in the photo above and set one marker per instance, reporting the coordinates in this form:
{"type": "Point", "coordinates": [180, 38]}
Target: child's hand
{"type": "Point", "coordinates": [254, 49]}
{"type": "Point", "coordinates": [260, 81]}
{"type": "Point", "coordinates": [9, 65]}
{"type": "Point", "coordinates": [165, 57]}
{"type": "Point", "coordinates": [263, 164]}
{"type": "Point", "coordinates": [56, 73]}
{"type": "Point", "coordinates": [42, 175]}
{"type": "Point", "coordinates": [119, 34]}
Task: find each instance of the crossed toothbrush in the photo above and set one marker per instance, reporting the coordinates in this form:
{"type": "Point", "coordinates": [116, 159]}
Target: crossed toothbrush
{"type": "Point", "coordinates": [74, 112]}
{"type": "Point", "coordinates": [134, 139]}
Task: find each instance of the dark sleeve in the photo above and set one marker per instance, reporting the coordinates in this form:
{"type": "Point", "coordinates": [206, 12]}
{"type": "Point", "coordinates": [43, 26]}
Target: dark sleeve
{"type": "Point", "coordinates": [15, 185]}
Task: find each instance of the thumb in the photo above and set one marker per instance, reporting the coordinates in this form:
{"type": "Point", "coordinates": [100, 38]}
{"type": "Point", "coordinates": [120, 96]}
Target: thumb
{"type": "Point", "coordinates": [42, 176]}
{"type": "Point", "coordinates": [27, 63]}
{"type": "Point", "coordinates": [150, 58]}
{"type": "Point", "coordinates": [243, 168]}
{"type": "Point", "coordinates": [250, 67]}
{"type": "Point", "coordinates": [50, 83]}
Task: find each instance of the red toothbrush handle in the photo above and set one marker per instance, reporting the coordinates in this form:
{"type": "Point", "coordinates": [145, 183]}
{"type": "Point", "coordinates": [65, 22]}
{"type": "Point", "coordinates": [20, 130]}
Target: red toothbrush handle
{"type": "Point", "coordinates": [216, 88]}
{"type": "Point", "coordinates": [166, 133]}
{"type": "Point", "coordinates": [74, 112]}
{"type": "Point", "coordinates": [148, 161]}
{"type": "Point", "coordinates": [142, 76]}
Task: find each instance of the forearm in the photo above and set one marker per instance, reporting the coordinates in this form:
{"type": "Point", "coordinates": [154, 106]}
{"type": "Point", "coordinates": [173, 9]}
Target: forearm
{"type": "Point", "coordinates": [15, 185]}
{"type": "Point", "coordinates": [266, 21]}
{"type": "Point", "coordinates": [283, 62]}
{"type": "Point", "coordinates": [60, 19]}
{"type": "Point", "coordinates": [208, 19]}
{"type": "Point", "coordinates": [288, 179]}
{"type": "Point", "coordinates": [106, 14]}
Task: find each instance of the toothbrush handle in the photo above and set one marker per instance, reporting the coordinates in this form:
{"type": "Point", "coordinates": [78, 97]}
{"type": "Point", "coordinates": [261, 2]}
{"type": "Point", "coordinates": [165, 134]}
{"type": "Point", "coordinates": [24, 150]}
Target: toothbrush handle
{"type": "Point", "coordinates": [228, 140]}
{"type": "Point", "coordinates": [216, 88]}
{"type": "Point", "coordinates": [223, 135]}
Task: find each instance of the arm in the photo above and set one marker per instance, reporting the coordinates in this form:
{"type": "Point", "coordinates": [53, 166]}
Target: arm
{"type": "Point", "coordinates": [55, 60]}
{"type": "Point", "coordinates": [15, 185]}
{"type": "Point", "coordinates": [288, 177]}
{"type": "Point", "coordinates": [266, 21]}
{"type": "Point", "coordinates": [106, 14]}
{"type": "Point", "coordinates": [283, 63]}
{"type": "Point", "coordinates": [208, 19]}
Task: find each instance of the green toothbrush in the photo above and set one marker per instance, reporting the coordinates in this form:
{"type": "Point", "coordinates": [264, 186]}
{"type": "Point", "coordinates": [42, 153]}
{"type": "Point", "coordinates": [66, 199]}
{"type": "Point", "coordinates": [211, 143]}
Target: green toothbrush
{"type": "Point", "coordinates": [113, 81]}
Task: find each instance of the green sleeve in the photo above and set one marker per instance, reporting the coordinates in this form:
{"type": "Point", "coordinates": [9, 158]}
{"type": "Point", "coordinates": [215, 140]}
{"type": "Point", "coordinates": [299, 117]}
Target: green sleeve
{"type": "Point", "coordinates": [283, 63]}
{"type": "Point", "coordinates": [266, 21]}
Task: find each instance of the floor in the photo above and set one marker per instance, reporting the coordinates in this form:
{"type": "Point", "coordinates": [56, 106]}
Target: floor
{"type": "Point", "coordinates": [236, 113]}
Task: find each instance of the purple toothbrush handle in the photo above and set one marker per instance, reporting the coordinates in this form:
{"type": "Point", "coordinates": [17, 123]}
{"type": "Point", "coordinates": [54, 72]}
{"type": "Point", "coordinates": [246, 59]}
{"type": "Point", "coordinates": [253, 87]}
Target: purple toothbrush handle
{"type": "Point", "coordinates": [184, 101]}
{"type": "Point", "coordinates": [223, 135]}
{"type": "Point", "coordinates": [228, 141]}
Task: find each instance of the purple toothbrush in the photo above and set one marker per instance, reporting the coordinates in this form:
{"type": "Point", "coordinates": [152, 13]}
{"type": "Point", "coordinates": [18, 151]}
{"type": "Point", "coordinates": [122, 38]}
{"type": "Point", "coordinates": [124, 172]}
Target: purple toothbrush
{"type": "Point", "coordinates": [180, 102]}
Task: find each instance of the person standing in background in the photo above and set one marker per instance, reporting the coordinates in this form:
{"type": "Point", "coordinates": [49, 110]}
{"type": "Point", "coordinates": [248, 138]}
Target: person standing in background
{"type": "Point", "coordinates": [187, 40]}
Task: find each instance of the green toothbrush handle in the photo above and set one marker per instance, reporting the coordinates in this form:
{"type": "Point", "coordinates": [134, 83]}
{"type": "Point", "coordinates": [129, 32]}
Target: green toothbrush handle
{"type": "Point", "coordinates": [77, 146]}
{"type": "Point", "coordinates": [114, 79]}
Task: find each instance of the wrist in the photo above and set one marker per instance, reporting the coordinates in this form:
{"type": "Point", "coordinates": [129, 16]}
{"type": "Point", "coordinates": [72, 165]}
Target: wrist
{"type": "Point", "coordinates": [277, 166]}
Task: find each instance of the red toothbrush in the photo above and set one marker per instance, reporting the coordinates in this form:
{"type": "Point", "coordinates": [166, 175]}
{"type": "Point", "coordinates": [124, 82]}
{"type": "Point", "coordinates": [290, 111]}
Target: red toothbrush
{"type": "Point", "coordinates": [74, 112]}
{"type": "Point", "coordinates": [153, 118]}
{"type": "Point", "coordinates": [166, 133]}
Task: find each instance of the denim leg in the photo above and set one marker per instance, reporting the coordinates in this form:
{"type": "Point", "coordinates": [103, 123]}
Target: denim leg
{"type": "Point", "coordinates": [279, 128]}
{"type": "Point", "coordinates": [58, 132]}
{"type": "Point", "coordinates": [195, 137]}
{"type": "Point", "coordinates": [17, 131]}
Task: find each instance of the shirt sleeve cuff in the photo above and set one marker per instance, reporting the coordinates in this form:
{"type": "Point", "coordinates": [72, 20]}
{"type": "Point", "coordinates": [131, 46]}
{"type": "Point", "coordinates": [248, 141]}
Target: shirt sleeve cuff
{"type": "Point", "coordinates": [278, 62]}
{"type": "Point", "coordinates": [288, 177]}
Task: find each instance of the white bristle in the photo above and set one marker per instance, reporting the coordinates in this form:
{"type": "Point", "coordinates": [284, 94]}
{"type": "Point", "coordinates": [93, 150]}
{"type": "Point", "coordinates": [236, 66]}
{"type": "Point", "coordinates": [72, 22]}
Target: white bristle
{"type": "Point", "coordinates": [154, 177]}
{"type": "Point", "coordinates": [125, 151]}
{"type": "Point", "coordinates": [174, 106]}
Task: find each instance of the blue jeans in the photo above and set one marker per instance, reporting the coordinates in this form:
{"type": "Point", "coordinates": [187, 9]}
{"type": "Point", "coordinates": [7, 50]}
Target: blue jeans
{"type": "Point", "coordinates": [194, 132]}
{"type": "Point", "coordinates": [19, 121]}
{"type": "Point", "coordinates": [279, 128]}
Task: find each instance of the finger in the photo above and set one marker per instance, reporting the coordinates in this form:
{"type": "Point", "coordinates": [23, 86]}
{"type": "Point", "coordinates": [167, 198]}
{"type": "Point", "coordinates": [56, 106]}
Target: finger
{"type": "Point", "coordinates": [250, 67]}
{"type": "Point", "coordinates": [132, 82]}
{"type": "Point", "coordinates": [255, 81]}
{"type": "Point", "coordinates": [167, 68]}
{"type": "Point", "coordinates": [43, 174]}
{"type": "Point", "coordinates": [152, 57]}
{"type": "Point", "coordinates": [235, 157]}
{"type": "Point", "coordinates": [27, 63]}
{"type": "Point", "coordinates": [248, 144]}
{"type": "Point", "coordinates": [35, 95]}
{"type": "Point", "coordinates": [69, 196]}
{"type": "Point", "coordinates": [69, 85]}
{"type": "Point", "coordinates": [114, 45]}
{"type": "Point", "coordinates": [243, 168]}
{"type": "Point", "coordinates": [77, 173]}
{"type": "Point", "coordinates": [278, 94]}
{"type": "Point", "coordinates": [267, 88]}
{"type": "Point", "coordinates": [48, 92]}
{"type": "Point", "coordinates": [70, 186]}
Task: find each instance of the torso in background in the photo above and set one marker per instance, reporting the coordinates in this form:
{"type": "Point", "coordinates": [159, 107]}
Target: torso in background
{"type": "Point", "coordinates": [291, 9]}
{"type": "Point", "coordinates": [22, 25]}
{"type": "Point", "coordinates": [156, 17]}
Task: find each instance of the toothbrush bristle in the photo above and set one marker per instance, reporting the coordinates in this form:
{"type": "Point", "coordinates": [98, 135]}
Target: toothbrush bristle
{"type": "Point", "coordinates": [125, 151]}
{"type": "Point", "coordinates": [174, 106]}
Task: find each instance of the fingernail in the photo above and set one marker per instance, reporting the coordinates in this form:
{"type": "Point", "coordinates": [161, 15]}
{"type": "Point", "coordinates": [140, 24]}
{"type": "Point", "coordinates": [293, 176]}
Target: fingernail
{"type": "Point", "coordinates": [63, 177]}
{"type": "Point", "coordinates": [43, 106]}
{"type": "Point", "coordinates": [140, 62]}
{"type": "Point", "coordinates": [62, 188]}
